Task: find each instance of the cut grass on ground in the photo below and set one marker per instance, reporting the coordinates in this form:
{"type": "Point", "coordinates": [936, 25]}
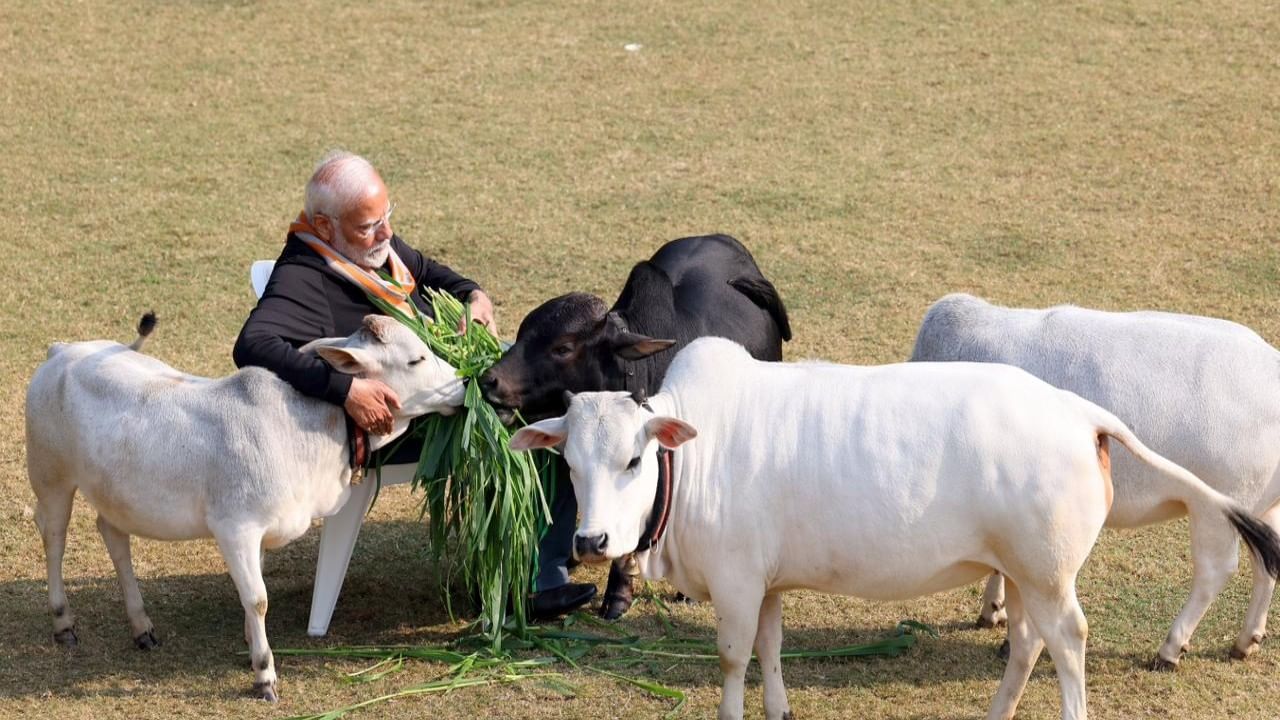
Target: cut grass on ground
{"type": "Point", "coordinates": [872, 156]}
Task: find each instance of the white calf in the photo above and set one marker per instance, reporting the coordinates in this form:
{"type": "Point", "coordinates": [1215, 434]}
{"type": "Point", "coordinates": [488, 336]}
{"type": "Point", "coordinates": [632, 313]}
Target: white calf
{"type": "Point", "coordinates": [1203, 392]}
{"type": "Point", "coordinates": [244, 459]}
{"type": "Point", "coordinates": [883, 482]}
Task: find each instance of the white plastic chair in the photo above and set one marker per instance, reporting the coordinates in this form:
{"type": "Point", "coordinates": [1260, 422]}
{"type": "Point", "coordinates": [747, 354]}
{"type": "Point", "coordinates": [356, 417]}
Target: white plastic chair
{"type": "Point", "coordinates": [340, 530]}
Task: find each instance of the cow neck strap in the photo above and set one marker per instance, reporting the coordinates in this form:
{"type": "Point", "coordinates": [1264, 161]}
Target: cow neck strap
{"type": "Point", "coordinates": [357, 450]}
{"type": "Point", "coordinates": [657, 524]}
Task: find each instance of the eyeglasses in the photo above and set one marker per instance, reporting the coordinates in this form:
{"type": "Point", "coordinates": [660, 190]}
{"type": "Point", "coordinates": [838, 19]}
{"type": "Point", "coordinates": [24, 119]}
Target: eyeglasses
{"type": "Point", "coordinates": [371, 229]}
{"type": "Point", "coordinates": [368, 230]}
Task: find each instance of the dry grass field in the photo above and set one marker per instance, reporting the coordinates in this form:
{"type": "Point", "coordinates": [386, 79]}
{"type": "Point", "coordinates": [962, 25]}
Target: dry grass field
{"type": "Point", "coordinates": [873, 156]}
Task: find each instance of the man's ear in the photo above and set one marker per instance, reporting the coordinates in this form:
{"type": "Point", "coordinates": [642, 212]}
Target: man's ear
{"type": "Point", "coordinates": [542, 434]}
{"type": "Point", "coordinates": [323, 226]}
{"type": "Point", "coordinates": [633, 346]}
{"type": "Point", "coordinates": [670, 432]}
{"type": "Point", "coordinates": [351, 361]}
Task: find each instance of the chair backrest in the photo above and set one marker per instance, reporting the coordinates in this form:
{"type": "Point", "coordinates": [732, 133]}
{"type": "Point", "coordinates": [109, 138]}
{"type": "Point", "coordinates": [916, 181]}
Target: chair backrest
{"type": "Point", "coordinates": [259, 274]}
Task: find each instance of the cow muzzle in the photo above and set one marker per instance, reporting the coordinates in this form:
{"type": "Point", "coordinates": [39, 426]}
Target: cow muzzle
{"type": "Point", "coordinates": [498, 394]}
{"type": "Point", "coordinates": [591, 548]}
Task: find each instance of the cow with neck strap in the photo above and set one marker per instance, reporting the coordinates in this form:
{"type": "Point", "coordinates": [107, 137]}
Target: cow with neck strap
{"type": "Point", "coordinates": [691, 287]}
{"type": "Point", "coordinates": [866, 481]}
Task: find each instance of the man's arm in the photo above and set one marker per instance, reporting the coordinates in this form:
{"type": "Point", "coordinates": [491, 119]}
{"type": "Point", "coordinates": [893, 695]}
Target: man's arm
{"type": "Point", "coordinates": [430, 274]}
{"type": "Point", "coordinates": [292, 312]}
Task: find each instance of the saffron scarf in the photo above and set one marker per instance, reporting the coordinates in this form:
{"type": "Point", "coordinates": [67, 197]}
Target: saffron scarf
{"type": "Point", "coordinates": [394, 291]}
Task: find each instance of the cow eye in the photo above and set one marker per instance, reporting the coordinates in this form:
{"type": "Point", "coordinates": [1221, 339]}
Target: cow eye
{"type": "Point", "coordinates": [415, 362]}
{"type": "Point", "coordinates": [563, 350]}
{"type": "Point", "coordinates": [635, 462]}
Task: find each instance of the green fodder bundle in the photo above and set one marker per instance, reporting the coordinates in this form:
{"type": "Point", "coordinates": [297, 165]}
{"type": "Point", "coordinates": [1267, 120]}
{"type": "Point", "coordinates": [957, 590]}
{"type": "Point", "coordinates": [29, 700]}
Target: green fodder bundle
{"type": "Point", "coordinates": [487, 499]}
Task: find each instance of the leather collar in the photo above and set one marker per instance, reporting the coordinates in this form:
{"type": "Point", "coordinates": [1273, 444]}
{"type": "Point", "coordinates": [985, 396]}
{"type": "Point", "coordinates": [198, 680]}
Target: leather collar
{"type": "Point", "coordinates": [657, 524]}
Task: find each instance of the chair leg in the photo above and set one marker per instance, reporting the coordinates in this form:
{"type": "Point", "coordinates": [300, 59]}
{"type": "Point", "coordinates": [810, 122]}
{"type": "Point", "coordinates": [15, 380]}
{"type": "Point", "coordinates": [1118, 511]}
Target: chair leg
{"type": "Point", "coordinates": [337, 540]}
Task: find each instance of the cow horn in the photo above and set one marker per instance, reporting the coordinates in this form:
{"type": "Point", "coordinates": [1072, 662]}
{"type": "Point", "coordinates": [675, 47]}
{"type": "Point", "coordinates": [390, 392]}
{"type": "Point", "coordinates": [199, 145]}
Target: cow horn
{"type": "Point", "coordinates": [378, 325]}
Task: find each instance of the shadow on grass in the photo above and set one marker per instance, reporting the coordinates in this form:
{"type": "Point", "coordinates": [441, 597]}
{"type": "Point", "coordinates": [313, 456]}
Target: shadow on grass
{"type": "Point", "coordinates": [391, 597]}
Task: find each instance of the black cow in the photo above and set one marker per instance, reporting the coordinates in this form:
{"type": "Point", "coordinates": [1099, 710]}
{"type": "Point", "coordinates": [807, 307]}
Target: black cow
{"type": "Point", "coordinates": [692, 287]}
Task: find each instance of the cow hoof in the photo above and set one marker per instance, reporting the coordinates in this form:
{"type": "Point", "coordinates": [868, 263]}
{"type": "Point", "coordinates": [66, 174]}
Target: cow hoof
{"type": "Point", "coordinates": [147, 640]}
{"type": "Point", "coordinates": [1255, 642]}
{"type": "Point", "coordinates": [266, 691]}
{"type": "Point", "coordinates": [1159, 664]}
{"type": "Point", "coordinates": [612, 609]}
{"type": "Point", "coordinates": [1003, 652]}
{"type": "Point", "coordinates": [682, 598]}
{"type": "Point", "coordinates": [66, 638]}
{"type": "Point", "coordinates": [788, 716]}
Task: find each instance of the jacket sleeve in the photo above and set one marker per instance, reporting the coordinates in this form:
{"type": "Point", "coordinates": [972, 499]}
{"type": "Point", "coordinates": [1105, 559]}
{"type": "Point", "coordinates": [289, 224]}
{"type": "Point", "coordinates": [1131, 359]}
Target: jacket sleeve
{"type": "Point", "coordinates": [292, 312]}
{"type": "Point", "coordinates": [430, 274]}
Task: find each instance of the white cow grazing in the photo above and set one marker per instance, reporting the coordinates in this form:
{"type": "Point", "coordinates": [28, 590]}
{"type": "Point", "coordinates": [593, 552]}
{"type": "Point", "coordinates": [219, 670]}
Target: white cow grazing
{"type": "Point", "coordinates": [244, 459]}
{"type": "Point", "coordinates": [1203, 392]}
{"type": "Point", "coordinates": [883, 482]}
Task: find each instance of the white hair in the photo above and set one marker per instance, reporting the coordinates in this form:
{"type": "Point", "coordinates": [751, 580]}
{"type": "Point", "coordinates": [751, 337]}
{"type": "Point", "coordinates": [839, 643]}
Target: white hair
{"type": "Point", "coordinates": [340, 180]}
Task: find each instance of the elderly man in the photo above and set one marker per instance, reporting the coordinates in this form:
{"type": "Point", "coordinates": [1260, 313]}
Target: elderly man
{"type": "Point", "coordinates": [320, 288]}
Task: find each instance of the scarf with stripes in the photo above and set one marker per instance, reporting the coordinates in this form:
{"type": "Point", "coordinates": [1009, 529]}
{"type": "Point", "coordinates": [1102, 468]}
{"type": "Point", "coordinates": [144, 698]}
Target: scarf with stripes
{"type": "Point", "coordinates": [394, 291]}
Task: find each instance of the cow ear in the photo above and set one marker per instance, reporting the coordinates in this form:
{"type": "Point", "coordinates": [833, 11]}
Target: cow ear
{"type": "Point", "coordinates": [670, 432]}
{"type": "Point", "coordinates": [542, 434]}
{"type": "Point", "coordinates": [351, 361]}
{"type": "Point", "coordinates": [632, 346]}
{"type": "Point", "coordinates": [312, 347]}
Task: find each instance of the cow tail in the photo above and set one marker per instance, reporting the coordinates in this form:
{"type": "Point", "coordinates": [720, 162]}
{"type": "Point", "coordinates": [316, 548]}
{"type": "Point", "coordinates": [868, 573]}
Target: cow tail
{"type": "Point", "coordinates": [145, 326]}
{"type": "Point", "coordinates": [762, 292]}
{"type": "Point", "coordinates": [1260, 537]}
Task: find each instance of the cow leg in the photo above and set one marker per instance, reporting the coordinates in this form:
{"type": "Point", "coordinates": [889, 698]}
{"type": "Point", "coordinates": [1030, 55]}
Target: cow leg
{"type": "Point", "coordinates": [738, 613]}
{"type": "Point", "coordinates": [993, 612]}
{"type": "Point", "coordinates": [248, 626]}
{"type": "Point", "coordinates": [117, 542]}
{"type": "Point", "coordinates": [1058, 618]}
{"type": "Point", "coordinates": [1025, 645]}
{"type": "Point", "coordinates": [769, 655]}
{"type": "Point", "coordinates": [242, 551]}
{"type": "Point", "coordinates": [1215, 552]}
{"type": "Point", "coordinates": [53, 515]}
{"type": "Point", "coordinates": [619, 592]}
{"type": "Point", "coordinates": [1264, 586]}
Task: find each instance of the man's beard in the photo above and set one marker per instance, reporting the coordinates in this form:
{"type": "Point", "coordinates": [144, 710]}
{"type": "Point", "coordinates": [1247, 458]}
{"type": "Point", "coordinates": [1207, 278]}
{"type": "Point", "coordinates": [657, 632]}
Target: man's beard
{"type": "Point", "coordinates": [369, 258]}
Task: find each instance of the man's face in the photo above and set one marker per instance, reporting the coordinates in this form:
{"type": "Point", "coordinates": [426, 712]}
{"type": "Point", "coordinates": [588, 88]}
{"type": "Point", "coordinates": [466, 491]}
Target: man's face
{"type": "Point", "coordinates": [363, 232]}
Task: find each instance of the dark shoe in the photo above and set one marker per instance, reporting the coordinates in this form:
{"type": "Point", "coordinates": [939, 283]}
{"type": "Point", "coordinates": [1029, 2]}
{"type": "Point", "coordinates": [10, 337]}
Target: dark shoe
{"type": "Point", "coordinates": [555, 602]}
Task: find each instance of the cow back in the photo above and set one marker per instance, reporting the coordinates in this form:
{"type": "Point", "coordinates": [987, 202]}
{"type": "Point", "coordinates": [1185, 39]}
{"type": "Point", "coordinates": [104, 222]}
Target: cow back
{"type": "Point", "coordinates": [692, 288]}
{"type": "Point", "coordinates": [1201, 391]}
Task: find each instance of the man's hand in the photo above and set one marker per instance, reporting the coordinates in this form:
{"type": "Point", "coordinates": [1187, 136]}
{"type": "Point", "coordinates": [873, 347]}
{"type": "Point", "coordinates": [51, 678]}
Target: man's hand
{"type": "Point", "coordinates": [481, 312]}
{"type": "Point", "coordinates": [369, 403]}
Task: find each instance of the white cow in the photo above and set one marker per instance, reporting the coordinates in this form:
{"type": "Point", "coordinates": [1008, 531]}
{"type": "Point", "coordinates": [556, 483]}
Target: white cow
{"type": "Point", "coordinates": [1203, 392]}
{"type": "Point", "coordinates": [883, 482]}
{"type": "Point", "coordinates": [244, 459]}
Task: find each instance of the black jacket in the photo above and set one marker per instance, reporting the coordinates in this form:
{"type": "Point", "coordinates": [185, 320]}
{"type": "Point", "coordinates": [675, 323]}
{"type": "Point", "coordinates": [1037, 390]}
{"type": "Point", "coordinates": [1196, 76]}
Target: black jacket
{"type": "Point", "coordinates": [305, 300]}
